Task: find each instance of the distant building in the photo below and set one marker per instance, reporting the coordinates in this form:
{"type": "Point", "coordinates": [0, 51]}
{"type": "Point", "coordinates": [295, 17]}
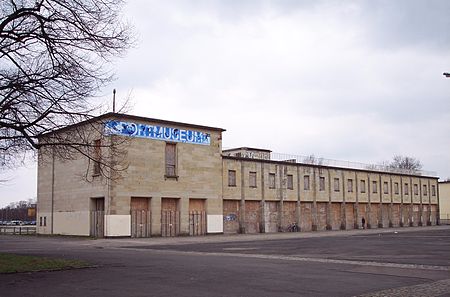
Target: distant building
{"type": "Point", "coordinates": [180, 182]}
{"type": "Point", "coordinates": [444, 201]}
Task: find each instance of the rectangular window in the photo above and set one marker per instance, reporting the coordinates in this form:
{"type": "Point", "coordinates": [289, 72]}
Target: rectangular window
{"type": "Point", "coordinates": [171, 160]}
{"type": "Point", "coordinates": [385, 187]}
{"type": "Point", "coordinates": [433, 190]}
{"type": "Point", "coordinates": [40, 221]}
{"type": "Point", "coordinates": [406, 189]}
{"type": "Point", "coordinates": [396, 189]}
{"type": "Point", "coordinates": [252, 179]}
{"type": "Point", "coordinates": [321, 183]}
{"type": "Point", "coordinates": [363, 186]}
{"type": "Point", "coordinates": [272, 180]}
{"type": "Point", "coordinates": [97, 156]}
{"type": "Point", "coordinates": [374, 187]}
{"type": "Point", "coordinates": [425, 190]}
{"type": "Point", "coordinates": [336, 185]}
{"type": "Point", "coordinates": [306, 185]}
{"type": "Point", "coordinates": [290, 181]}
{"type": "Point", "coordinates": [350, 185]}
{"type": "Point", "coordinates": [416, 189]}
{"type": "Point", "coordinates": [45, 221]}
{"type": "Point", "coordinates": [232, 178]}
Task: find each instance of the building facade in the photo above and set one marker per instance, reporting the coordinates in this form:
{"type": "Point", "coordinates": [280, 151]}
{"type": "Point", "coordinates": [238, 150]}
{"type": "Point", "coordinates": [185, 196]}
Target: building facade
{"type": "Point", "coordinates": [444, 202]}
{"type": "Point", "coordinates": [179, 181]}
{"type": "Point", "coordinates": [264, 195]}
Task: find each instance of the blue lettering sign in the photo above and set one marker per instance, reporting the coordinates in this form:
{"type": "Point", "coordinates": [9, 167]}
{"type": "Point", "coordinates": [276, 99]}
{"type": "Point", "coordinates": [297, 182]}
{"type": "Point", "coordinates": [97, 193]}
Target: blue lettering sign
{"type": "Point", "coordinates": [157, 132]}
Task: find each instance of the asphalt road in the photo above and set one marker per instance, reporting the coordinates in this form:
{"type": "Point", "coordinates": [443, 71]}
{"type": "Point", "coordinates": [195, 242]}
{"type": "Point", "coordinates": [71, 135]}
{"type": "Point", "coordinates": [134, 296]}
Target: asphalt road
{"type": "Point", "coordinates": [411, 262]}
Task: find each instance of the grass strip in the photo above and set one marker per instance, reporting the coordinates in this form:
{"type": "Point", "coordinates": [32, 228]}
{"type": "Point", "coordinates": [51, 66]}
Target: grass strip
{"type": "Point", "coordinates": [11, 263]}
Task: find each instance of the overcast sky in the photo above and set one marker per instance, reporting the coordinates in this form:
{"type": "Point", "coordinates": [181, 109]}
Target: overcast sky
{"type": "Point", "coordinates": [347, 80]}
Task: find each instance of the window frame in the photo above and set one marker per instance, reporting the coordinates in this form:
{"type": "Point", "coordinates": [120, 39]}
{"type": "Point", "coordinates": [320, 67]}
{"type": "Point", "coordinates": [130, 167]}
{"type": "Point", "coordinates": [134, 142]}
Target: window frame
{"type": "Point", "coordinates": [322, 186]}
{"type": "Point", "coordinates": [396, 188]}
{"type": "Point", "coordinates": [272, 180]}
{"type": "Point", "coordinates": [362, 184]}
{"type": "Point", "coordinates": [306, 183]}
{"type": "Point", "coordinates": [349, 185]}
{"type": "Point", "coordinates": [96, 171]}
{"type": "Point", "coordinates": [252, 178]}
{"type": "Point", "coordinates": [374, 187]}
{"type": "Point", "coordinates": [336, 184]}
{"type": "Point", "coordinates": [231, 178]}
{"type": "Point", "coordinates": [385, 187]}
{"type": "Point", "coordinates": [168, 173]}
{"type": "Point", "coordinates": [290, 182]}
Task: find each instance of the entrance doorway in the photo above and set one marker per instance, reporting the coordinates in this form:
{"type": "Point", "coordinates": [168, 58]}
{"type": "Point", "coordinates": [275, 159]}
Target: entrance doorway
{"type": "Point", "coordinates": [140, 217]}
{"type": "Point", "coordinates": [97, 218]}
{"type": "Point", "coordinates": [170, 217]}
{"type": "Point", "coordinates": [197, 217]}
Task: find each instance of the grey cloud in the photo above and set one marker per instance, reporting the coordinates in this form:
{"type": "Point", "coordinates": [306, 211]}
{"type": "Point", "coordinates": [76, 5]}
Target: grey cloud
{"type": "Point", "coordinates": [399, 23]}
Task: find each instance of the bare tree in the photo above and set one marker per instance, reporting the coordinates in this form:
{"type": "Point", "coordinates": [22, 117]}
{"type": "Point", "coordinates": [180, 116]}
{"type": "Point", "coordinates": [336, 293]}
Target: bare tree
{"type": "Point", "coordinates": [54, 57]}
{"type": "Point", "coordinates": [311, 159]}
{"type": "Point", "coordinates": [406, 163]}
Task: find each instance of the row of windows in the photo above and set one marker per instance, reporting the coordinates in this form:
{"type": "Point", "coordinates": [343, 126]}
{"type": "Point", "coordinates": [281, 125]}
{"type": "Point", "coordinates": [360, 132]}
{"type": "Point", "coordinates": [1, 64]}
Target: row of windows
{"type": "Point", "coordinates": [252, 180]}
{"type": "Point", "coordinates": [171, 162]}
{"type": "Point", "coordinates": [336, 184]}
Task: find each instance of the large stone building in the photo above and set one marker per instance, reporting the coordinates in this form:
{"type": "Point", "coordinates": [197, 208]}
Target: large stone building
{"type": "Point", "coordinates": [179, 181]}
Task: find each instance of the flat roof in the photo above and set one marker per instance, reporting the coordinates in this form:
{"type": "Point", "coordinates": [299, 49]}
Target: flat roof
{"type": "Point", "coordinates": [248, 149]}
{"type": "Point", "coordinates": [285, 162]}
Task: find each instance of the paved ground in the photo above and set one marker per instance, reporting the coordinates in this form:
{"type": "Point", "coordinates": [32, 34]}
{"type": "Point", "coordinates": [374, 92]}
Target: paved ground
{"type": "Point", "coordinates": [385, 262]}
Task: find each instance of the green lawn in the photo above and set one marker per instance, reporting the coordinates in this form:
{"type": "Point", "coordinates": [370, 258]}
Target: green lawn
{"type": "Point", "coordinates": [10, 263]}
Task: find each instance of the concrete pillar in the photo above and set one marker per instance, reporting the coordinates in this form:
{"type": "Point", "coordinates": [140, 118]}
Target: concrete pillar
{"type": "Point", "coordinates": [183, 206]}
{"type": "Point", "coordinates": [155, 208]}
{"type": "Point", "coordinates": [298, 213]}
{"type": "Point", "coordinates": [242, 202]}
{"type": "Point", "coordinates": [262, 224]}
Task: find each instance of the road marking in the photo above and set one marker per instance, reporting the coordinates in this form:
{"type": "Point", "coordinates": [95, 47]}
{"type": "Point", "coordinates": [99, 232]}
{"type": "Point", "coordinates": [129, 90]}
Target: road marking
{"type": "Point", "coordinates": [240, 249]}
{"type": "Point", "coordinates": [429, 289]}
{"type": "Point", "coordinates": [303, 259]}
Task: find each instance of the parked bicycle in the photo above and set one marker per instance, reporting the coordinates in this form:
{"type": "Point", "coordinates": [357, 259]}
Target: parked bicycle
{"type": "Point", "coordinates": [293, 227]}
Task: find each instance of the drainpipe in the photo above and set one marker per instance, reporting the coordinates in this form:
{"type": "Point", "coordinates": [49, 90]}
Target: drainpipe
{"type": "Point", "coordinates": [53, 189]}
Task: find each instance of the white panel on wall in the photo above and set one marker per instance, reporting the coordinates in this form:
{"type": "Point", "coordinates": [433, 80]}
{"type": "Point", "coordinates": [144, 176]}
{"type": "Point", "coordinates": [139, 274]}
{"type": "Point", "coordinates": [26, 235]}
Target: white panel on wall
{"type": "Point", "coordinates": [118, 225]}
{"type": "Point", "coordinates": [215, 223]}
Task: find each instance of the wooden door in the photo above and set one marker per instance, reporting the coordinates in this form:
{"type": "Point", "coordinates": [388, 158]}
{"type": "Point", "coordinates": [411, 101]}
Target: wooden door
{"type": "Point", "coordinates": [97, 224]}
{"type": "Point", "coordinates": [289, 215]}
{"type": "Point", "coordinates": [395, 215]}
{"type": "Point", "coordinates": [271, 216]}
{"type": "Point", "coordinates": [321, 215]}
{"type": "Point", "coordinates": [140, 217]}
{"type": "Point", "coordinates": [197, 217]}
{"type": "Point", "coordinates": [306, 216]}
{"type": "Point", "coordinates": [170, 217]}
{"type": "Point", "coordinates": [349, 216]}
{"type": "Point", "coordinates": [231, 216]}
{"type": "Point", "coordinates": [336, 217]}
{"type": "Point", "coordinates": [252, 216]}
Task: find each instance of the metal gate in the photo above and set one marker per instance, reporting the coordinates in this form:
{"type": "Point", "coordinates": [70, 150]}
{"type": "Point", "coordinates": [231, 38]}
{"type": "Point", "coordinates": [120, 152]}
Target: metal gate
{"type": "Point", "coordinates": [97, 223]}
{"type": "Point", "coordinates": [170, 223]}
{"type": "Point", "coordinates": [197, 223]}
{"type": "Point", "coordinates": [141, 223]}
